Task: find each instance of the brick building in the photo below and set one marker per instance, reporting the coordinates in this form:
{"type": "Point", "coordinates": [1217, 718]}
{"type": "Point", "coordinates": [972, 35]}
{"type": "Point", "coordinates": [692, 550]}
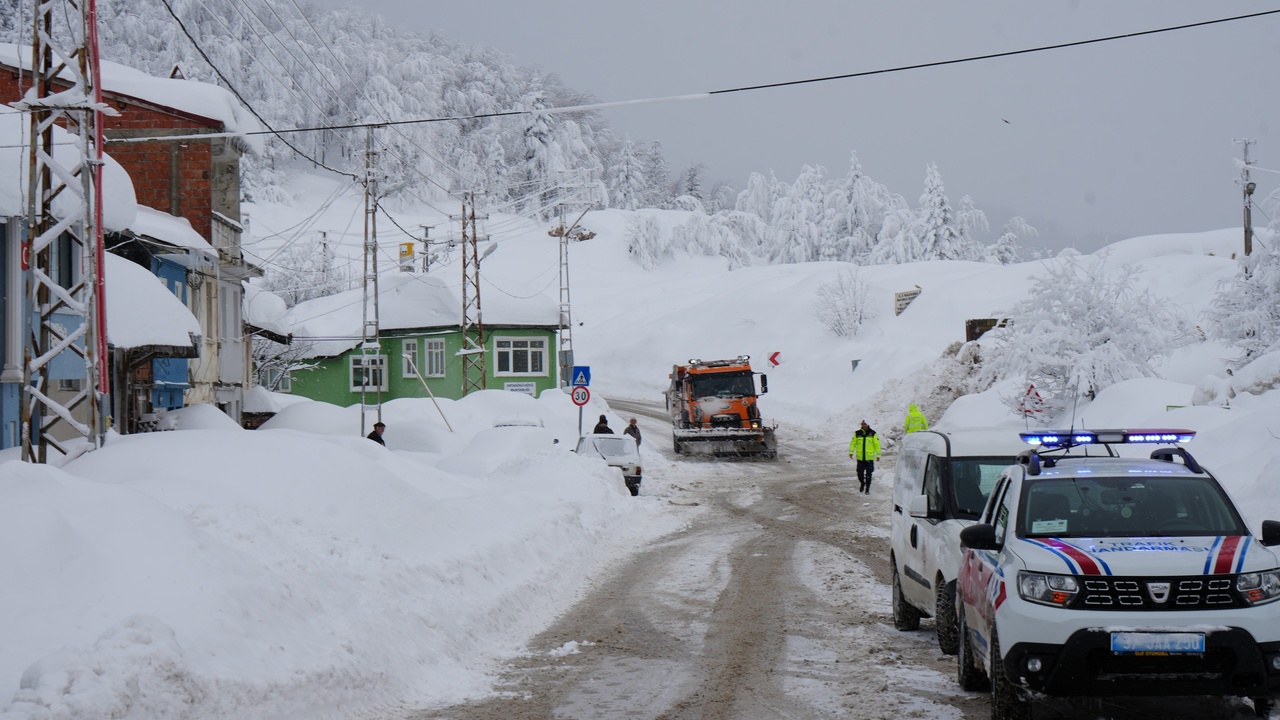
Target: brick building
{"type": "Point", "coordinates": [191, 178]}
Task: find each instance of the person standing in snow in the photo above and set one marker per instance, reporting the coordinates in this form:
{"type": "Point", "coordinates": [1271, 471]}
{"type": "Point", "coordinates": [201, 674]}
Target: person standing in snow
{"type": "Point", "coordinates": [633, 430]}
{"type": "Point", "coordinates": [602, 427]}
{"type": "Point", "coordinates": [376, 435]}
{"type": "Point", "coordinates": [916, 421]}
{"type": "Point", "coordinates": [865, 449]}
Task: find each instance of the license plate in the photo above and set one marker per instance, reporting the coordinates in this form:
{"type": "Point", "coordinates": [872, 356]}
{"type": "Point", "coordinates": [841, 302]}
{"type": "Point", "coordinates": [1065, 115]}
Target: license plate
{"type": "Point", "coordinates": [1150, 643]}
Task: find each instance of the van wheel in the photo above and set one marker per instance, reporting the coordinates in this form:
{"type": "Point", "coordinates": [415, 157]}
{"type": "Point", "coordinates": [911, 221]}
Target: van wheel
{"type": "Point", "coordinates": [1007, 703]}
{"type": "Point", "coordinates": [905, 615]}
{"type": "Point", "coordinates": [970, 675]}
{"type": "Point", "coordinates": [944, 616]}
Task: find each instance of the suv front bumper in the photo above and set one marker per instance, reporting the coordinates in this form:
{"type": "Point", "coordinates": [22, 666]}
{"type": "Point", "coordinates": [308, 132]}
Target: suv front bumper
{"type": "Point", "coordinates": [1233, 664]}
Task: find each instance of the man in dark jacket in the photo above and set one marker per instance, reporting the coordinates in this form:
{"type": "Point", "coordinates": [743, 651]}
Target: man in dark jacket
{"type": "Point", "coordinates": [376, 435]}
{"type": "Point", "coordinates": [633, 430]}
{"type": "Point", "coordinates": [602, 427]}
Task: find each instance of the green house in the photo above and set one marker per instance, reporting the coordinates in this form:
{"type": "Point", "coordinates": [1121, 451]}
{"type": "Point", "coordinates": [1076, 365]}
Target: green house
{"type": "Point", "coordinates": [420, 344]}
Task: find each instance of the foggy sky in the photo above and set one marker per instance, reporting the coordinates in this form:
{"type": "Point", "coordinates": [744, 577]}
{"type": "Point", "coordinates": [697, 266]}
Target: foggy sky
{"type": "Point", "coordinates": [1090, 144]}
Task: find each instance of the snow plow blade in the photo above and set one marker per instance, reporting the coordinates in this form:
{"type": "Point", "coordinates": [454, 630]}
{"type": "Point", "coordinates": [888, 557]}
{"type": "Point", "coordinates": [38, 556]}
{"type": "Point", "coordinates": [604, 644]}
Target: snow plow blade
{"type": "Point", "coordinates": [726, 441]}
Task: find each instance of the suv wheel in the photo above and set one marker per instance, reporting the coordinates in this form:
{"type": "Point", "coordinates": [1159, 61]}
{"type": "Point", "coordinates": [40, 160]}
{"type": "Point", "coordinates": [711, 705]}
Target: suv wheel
{"type": "Point", "coordinates": [944, 616]}
{"type": "Point", "coordinates": [970, 675]}
{"type": "Point", "coordinates": [905, 615]}
{"type": "Point", "coordinates": [1006, 702]}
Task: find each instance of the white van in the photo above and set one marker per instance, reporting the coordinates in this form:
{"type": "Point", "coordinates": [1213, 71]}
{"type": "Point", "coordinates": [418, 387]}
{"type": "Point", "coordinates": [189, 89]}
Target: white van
{"type": "Point", "coordinates": [942, 482]}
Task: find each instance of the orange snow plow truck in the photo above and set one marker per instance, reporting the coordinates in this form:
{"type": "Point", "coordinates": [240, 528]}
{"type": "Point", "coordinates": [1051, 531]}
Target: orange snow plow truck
{"type": "Point", "coordinates": [714, 411]}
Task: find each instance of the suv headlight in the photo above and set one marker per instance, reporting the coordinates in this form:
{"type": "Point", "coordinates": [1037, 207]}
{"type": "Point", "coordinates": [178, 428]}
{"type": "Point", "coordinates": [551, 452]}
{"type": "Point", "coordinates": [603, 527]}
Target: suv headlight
{"type": "Point", "coordinates": [1260, 587]}
{"type": "Point", "coordinates": [1055, 590]}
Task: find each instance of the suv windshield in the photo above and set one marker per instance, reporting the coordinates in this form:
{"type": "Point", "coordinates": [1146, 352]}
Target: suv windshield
{"type": "Point", "coordinates": [1126, 507]}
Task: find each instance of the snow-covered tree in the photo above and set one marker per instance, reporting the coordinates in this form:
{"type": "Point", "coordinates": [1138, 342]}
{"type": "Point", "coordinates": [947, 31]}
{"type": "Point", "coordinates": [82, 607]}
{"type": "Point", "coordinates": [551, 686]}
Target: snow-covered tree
{"type": "Point", "coordinates": [841, 305]}
{"type": "Point", "coordinates": [939, 234]}
{"type": "Point", "coordinates": [304, 271]}
{"type": "Point", "coordinates": [1006, 250]}
{"type": "Point", "coordinates": [646, 242]}
{"type": "Point", "coordinates": [658, 175]}
{"type": "Point", "coordinates": [797, 218]}
{"type": "Point", "coordinates": [705, 234]}
{"type": "Point", "coordinates": [690, 181]}
{"type": "Point", "coordinates": [1080, 330]}
{"type": "Point", "coordinates": [627, 181]}
{"type": "Point", "coordinates": [1245, 312]}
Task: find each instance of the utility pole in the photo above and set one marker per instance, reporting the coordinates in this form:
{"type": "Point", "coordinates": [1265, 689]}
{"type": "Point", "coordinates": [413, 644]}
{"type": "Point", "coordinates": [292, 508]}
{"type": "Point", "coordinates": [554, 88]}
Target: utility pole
{"type": "Point", "coordinates": [372, 370]}
{"type": "Point", "coordinates": [62, 255]}
{"type": "Point", "coordinates": [1247, 186]}
{"type": "Point", "coordinates": [472, 352]}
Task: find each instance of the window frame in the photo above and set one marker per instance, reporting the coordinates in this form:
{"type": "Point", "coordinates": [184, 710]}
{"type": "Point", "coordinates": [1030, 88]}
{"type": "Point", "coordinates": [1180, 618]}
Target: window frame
{"type": "Point", "coordinates": [378, 368]}
{"type": "Point", "coordinates": [433, 351]}
{"type": "Point", "coordinates": [410, 346]}
{"type": "Point", "coordinates": [510, 353]}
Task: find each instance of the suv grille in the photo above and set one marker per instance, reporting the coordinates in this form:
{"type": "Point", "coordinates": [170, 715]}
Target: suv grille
{"type": "Point", "coordinates": [1203, 592]}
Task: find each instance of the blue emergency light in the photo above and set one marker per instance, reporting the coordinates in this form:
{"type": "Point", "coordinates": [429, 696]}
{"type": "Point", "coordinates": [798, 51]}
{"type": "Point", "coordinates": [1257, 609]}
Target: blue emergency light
{"type": "Point", "coordinates": [1073, 438]}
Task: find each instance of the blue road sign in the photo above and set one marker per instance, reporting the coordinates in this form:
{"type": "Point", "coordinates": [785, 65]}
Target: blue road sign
{"type": "Point", "coordinates": [581, 375]}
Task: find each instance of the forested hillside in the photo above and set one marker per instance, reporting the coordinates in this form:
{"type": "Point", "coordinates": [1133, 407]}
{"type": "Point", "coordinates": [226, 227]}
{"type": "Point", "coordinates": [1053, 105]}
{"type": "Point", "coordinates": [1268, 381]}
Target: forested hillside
{"type": "Point", "coordinates": [453, 118]}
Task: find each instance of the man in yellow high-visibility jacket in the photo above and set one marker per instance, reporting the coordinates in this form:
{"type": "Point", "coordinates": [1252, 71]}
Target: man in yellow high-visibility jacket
{"type": "Point", "coordinates": [865, 449]}
{"type": "Point", "coordinates": [916, 421]}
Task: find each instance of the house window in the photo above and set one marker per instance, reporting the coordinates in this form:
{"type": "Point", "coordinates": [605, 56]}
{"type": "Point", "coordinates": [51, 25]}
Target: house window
{"type": "Point", "coordinates": [368, 373]}
{"type": "Point", "coordinates": [521, 356]}
{"type": "Point", "coordinates": [435, 358]}
{"type": "Point", "coordinates": [275, 380]}
{"type": "Point", "coordinates": [409, 359]}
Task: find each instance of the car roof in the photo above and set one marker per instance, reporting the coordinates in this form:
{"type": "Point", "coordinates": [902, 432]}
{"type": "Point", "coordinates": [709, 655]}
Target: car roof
{"type": "Point", "coordinates": [1081, 466]}
{"type": "Point", "coordinates": [969, 442]}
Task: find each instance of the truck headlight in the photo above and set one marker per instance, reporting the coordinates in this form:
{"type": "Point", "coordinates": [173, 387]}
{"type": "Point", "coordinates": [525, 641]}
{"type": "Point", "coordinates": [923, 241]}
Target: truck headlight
{"type": "Point", "coordinates": [1260, 587]}
{"type": "Point", "coordinates": [1055, 590]}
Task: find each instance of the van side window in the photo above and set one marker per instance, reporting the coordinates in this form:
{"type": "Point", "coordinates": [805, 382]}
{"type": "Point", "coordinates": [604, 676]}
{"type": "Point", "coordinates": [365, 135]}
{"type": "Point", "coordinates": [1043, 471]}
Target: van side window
{"type": "Point", "coordinates": [933, 484]}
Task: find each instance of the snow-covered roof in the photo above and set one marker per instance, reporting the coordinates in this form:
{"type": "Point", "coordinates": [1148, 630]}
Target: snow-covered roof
{"type": "Point", "coordinates": [189, 96]}
{"type": "Point", "coordinates": [119, 202]}
{"type": "Point", "coordinates": [170, 229]}
{"type": "Point", "coordinates": [406, 301]}
{"type": "Point", "coordinates": [264, 309]}
{"type": "Point", "coordinates": [141, 311]}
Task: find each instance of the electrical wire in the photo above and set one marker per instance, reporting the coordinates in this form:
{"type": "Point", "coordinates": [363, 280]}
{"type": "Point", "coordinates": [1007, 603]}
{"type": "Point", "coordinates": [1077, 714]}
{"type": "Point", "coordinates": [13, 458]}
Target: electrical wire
{"type": "Point", "coordinates": [725, 91]}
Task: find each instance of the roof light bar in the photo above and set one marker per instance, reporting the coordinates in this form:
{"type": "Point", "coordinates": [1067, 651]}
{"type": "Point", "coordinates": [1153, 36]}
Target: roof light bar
{"type": "Point", "coordinates": [1074, 438]}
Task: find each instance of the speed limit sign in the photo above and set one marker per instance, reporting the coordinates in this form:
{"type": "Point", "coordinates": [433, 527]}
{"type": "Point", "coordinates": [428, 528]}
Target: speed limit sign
{"type": "Point", "coordinates": [580, 395]}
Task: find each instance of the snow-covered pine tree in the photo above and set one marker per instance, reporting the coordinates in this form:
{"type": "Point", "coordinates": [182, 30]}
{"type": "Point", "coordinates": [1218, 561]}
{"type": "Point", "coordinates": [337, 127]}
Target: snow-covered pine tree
{"type": "Point", "coordinates": [627, 181]}
{"type": "Point", "coordinates": [658, 175]}
{"type": "Point", "coordinates": [1080, 330]}
{"type": "Point", "coordinates": [939, 235]}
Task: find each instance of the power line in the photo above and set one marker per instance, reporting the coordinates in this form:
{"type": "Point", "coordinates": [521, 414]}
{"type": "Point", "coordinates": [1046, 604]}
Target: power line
{"type": "Point", "coordinates": [711, 93]}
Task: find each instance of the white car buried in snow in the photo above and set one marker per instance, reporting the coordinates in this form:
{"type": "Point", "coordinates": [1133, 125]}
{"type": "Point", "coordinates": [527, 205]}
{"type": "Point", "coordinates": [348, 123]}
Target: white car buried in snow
{"type": "Point", "coordinates": [1110, 576]}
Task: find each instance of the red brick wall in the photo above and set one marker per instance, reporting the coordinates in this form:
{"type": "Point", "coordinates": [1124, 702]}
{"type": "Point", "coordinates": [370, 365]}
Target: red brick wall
{"type": "Point", "coordinates": [150, 165]}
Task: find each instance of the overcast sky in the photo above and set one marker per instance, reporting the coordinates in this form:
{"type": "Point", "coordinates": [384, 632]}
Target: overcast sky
{"type": "Point", "coordinates": [1092, 143]}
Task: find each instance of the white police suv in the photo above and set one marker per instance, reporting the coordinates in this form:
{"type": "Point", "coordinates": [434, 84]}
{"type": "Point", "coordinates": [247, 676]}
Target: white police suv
{"type": "Point", "coordinates": [1089, 574]}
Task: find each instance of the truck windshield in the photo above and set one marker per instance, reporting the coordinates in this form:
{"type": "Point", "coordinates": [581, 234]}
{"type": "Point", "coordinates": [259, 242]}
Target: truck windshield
{"type": "Point", "coordinates": [1127, 507]}
{"type": "Point", "coordinates": [738, 384]}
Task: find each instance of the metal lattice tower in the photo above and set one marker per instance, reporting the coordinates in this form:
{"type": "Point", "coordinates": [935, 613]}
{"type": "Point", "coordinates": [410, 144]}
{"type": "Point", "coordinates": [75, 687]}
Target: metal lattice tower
{"type": "Point", "coordinates": [372, 371]}
{"type": "Point", "coordinates": [62, 257]}
{"type": "Point", "coordinates": [472, 352]}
